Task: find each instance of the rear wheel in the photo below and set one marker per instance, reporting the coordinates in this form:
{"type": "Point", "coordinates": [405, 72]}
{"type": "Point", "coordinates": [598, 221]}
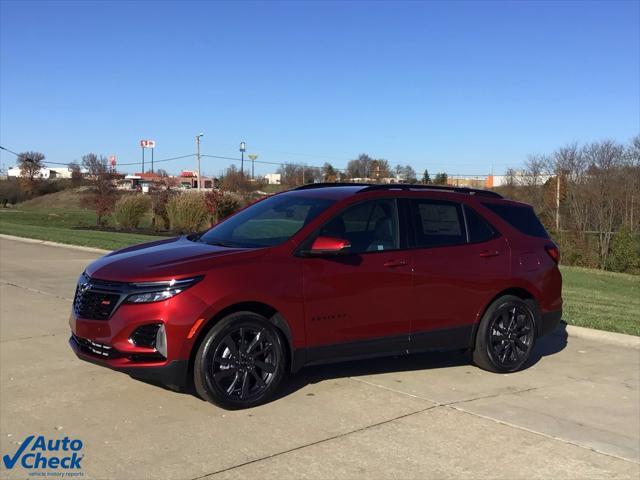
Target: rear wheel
{"type": "Point", "coordinates": [506, 335]}
{"type": "Point", "coordinates": [240, 362]}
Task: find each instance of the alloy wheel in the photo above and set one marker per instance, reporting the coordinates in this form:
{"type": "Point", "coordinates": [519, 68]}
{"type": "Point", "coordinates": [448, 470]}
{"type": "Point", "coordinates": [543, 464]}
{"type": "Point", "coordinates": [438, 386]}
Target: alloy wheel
{"type": "Point", "coordinates": [511, 335]}
{"type": "Point", "coordinates": [244, 363]}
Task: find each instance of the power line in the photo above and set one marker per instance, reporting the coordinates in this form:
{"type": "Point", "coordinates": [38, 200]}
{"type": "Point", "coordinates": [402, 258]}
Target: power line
{"type": "Point", "coordinates": [10, 151]}
{"type": "Point", "coordinates": [235, 159]}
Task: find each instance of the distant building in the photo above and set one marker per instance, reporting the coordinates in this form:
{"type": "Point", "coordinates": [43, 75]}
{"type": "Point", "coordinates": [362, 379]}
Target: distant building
{"type": "Point", "coordinates": [45, 173]}
{"type": "Point", "coordinates": [517, 178]}
{"type": "Point", "coordinates": [273, 178]}
{"type": "Point", "coordinates": [476, 181]}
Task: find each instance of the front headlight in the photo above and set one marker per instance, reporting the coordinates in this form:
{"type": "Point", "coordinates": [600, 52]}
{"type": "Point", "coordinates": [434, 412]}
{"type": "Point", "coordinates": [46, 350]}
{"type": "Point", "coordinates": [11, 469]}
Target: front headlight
{"type": "Point", "coordinates": [158, 291]}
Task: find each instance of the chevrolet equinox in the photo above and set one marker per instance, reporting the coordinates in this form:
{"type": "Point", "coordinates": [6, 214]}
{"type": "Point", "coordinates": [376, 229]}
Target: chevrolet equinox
{"type": "Point", "coordinates": [323, 273]}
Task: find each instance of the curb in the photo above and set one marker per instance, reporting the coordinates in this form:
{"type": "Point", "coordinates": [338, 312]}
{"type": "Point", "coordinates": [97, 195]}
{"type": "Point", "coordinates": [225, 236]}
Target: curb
{"type": "Point", "coordinates": [53, 244]}
{"type": "Point", "coordinates": [613, 338]}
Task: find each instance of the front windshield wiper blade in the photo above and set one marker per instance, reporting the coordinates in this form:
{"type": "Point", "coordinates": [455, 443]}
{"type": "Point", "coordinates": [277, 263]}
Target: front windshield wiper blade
{"type": "Point", "coordinates": [222, 244]}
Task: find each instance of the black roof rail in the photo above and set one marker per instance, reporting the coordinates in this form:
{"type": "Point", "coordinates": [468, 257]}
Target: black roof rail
{"type": "Point", "coordinates": [369, 187]}
{"type": "Point", "coordinates": [310, 186]}
{"type": "Point", "coordinates": [446, 188]}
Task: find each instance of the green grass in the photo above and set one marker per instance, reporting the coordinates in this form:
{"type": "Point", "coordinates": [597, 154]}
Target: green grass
{"type": "Point", "coordinates": [601, 300]}
{"type": "Point", "coordinates": [86, 238]}
{"type": "Point", "coordinates": [72, 226]}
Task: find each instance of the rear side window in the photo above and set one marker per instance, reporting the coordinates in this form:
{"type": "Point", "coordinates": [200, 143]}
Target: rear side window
{"type": "Point", "coordinates": [522, 218]}
{"type": "Point", "coordinates": [437, 223]}
{"type": "Point", "coordinates": [479, 228]}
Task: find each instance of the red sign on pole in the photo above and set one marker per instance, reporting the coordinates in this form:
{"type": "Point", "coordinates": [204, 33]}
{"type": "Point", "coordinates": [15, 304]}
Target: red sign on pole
{"type": "Point", "coordinates": [148, 143]}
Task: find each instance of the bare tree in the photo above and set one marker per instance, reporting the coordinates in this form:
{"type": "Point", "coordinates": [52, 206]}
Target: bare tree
{"type": "Point", "coordinates": [76, 174]}
{"type": "Point", "coordinates": [360, 167]}
{"type": "Point", "coordinates": [329, 173]}
{"type": "Point", "coordinates": [30, 164]}
{"type": "Point", "coordinates": [101, 180]}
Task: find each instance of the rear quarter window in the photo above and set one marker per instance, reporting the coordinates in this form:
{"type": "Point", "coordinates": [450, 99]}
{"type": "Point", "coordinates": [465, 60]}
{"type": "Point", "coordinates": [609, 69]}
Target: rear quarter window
{"type": "Point", "coordinates": [520, 217]}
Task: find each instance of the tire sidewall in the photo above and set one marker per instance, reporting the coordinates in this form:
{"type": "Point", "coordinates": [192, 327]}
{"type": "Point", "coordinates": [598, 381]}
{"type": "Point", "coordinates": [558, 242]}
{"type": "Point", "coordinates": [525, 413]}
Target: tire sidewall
{"type": "Point", "coordinates": [204, 384]}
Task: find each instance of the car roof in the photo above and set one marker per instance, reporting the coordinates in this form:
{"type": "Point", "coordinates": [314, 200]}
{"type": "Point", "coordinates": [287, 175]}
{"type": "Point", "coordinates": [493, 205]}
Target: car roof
{"type": "Point", "coordinates": [342, 190]}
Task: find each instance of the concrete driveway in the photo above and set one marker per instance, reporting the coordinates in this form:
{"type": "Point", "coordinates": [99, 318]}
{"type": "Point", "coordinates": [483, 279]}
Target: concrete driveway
{"type": "Point", "coordinates": [575, 413]}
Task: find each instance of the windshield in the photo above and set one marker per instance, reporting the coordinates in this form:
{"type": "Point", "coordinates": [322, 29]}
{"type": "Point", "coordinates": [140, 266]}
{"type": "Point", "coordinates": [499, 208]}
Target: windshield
{"type": "Point", "coordinates": [267, 223]}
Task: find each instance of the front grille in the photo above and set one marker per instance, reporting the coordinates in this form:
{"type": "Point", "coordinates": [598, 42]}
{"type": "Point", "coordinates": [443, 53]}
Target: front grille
{"type": "Point", "coordinates": [145, 336]}
{"type": "Point", "coordinates": [94, 348]}
{"type": "Point", "coordinates": [96, 299]}
{"type": "Point", "coordinates": [95, 305]}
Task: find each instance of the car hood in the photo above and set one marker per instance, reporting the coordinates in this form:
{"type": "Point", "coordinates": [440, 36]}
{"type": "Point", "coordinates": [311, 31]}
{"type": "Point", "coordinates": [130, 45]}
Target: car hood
{"type": "Point", "coordinates": [161, 260]}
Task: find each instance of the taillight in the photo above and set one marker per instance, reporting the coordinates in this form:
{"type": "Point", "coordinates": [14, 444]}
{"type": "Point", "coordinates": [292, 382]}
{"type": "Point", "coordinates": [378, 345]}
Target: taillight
{"type": "Point", "coordinates": [554, 252]}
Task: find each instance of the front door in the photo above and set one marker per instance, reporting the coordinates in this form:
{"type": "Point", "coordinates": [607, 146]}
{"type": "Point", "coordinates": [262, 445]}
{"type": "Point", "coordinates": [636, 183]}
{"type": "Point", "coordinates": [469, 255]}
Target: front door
{"type": "Point", "coordinates": [356, 303]}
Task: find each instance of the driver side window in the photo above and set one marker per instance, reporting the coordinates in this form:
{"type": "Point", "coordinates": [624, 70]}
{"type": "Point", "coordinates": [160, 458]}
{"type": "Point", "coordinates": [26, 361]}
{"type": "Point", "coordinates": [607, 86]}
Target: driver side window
{"type": "Point", "coordinates": [370, 226]}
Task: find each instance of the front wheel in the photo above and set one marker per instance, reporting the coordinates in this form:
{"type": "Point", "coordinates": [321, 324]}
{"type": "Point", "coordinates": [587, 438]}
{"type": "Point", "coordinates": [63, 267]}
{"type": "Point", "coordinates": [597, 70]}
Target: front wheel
{"type": "Point", "coordinates": [240, 362]}
{"type": "Point", "coordinates": [506, 335]}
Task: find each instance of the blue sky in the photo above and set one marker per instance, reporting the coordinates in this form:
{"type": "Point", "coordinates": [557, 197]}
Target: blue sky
{"type": "Point", "coordinates": [448, 86]}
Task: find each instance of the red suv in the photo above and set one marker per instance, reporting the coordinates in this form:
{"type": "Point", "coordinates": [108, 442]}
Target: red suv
{"type": "Point", "coordinates": [323, 273]}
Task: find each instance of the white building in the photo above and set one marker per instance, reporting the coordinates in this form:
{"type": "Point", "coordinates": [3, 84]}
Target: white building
{"type": "Point", "coordinates": [272, 178]}
{"type": "Point", "coordinates": [45, 173]}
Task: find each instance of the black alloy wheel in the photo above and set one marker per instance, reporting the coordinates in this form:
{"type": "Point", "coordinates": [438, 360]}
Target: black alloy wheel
{"type": "Point", "coordinates": [506, 335]}
{"type": "Point", "coordinates": [240, 361]}
{"type": "Point", "coordinates": [511, 332]}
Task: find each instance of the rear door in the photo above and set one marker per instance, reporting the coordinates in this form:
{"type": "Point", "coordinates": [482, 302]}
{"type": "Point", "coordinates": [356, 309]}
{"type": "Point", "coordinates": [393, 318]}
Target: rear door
{"type": "Point", "coordinates": [357, 304]}
{"type": "Point", "coordinates": [459, 259]}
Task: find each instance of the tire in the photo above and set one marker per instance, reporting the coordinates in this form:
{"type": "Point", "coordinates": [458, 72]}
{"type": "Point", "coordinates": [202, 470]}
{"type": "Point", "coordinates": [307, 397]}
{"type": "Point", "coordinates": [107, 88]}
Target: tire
{"type": "Point", "coordinates": [506, 335]}
{"type": "Point", "coordinates": [240, 362]}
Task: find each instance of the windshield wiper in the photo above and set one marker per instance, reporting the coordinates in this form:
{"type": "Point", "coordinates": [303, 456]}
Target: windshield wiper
{"type": "Point", "coordinates": [222, 244]}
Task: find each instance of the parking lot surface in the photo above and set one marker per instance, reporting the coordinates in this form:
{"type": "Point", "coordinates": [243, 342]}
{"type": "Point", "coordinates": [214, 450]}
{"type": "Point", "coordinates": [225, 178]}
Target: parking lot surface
{"type": "Point", "coordinates": [574, 413]}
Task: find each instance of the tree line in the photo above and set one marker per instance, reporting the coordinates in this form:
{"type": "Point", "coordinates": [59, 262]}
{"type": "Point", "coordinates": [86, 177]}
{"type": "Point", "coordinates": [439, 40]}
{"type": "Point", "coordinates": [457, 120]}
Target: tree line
{"type": "Point", "coordinates": [588, 196]}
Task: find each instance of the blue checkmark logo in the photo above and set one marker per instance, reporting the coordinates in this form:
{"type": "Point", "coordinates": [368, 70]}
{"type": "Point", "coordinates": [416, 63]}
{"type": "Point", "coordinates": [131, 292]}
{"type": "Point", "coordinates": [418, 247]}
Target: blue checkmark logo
{"type": "Point", "coordinates": [10, 462]}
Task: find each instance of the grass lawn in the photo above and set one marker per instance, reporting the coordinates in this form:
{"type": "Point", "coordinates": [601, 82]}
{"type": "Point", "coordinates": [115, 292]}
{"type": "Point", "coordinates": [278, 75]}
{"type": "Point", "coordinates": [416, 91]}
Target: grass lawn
{"type": "Point", "coordinates": [602, 300]}
{"type": "Point", "coordinates": [86, 238]}
{"type": "Point", "coordinates": [65, 226]}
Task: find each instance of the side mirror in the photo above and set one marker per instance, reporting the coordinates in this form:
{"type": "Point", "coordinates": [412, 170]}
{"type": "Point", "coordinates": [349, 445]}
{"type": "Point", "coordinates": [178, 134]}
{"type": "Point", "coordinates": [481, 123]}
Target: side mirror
{"type": "Point", "coordinates": [329, 246]}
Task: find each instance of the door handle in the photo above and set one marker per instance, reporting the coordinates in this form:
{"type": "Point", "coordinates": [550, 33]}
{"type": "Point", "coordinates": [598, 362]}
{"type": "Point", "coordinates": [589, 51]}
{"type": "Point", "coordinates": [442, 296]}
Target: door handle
{"type": "Point", "coordinates": [395, 263]}
{"type": "Point", "coordinates": [489, 253]}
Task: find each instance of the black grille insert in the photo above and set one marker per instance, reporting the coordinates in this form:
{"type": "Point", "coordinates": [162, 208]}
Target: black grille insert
{"type": "Point", "coordinates": [97, 299]}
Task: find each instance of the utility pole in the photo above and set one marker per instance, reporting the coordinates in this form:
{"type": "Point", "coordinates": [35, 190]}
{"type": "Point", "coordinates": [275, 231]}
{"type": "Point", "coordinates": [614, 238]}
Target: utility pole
{"type": "Point", "coordinates": [558, 202]}
{"type": "Point", "coordinates": [198, 157]}
{"type": "Point", "coordinates": [243, 148]}
{"type": "Point", "coordinates": [253, 157]}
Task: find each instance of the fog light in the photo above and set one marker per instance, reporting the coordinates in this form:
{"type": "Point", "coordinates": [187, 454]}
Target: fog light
{"type": "Point", "coordinates": [161, 341]}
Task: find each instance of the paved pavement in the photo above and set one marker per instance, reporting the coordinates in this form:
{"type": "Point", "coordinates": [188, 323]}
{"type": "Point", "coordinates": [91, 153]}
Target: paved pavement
{"type": "Point", "coordinates": [575, 413]}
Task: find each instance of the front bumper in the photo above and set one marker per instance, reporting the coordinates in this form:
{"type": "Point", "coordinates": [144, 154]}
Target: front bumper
{"type": "Point", "coordinates": [171, 373]}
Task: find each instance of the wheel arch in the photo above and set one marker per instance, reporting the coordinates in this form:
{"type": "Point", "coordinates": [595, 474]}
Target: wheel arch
{"type": "Point", "coordinates": [267, 311]}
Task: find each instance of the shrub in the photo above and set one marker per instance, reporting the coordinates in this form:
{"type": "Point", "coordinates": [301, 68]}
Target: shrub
{"type": "Point", "coordinates": [578, 250]}
{"type": "Point", "coordinates": [229, 204]}
{"type": "Point", "coordinates": [11, 192]}
{"type": "Point", "coordinates": [129, 210]}
{"type": "Point", "coordinates": [625, 252]}
{"type": "Point", "coordinates": [220, 204]}
{"type": "Point", "coordinates": [159, 201]}
{"type": "Point", "coordinates": [187, 212]}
